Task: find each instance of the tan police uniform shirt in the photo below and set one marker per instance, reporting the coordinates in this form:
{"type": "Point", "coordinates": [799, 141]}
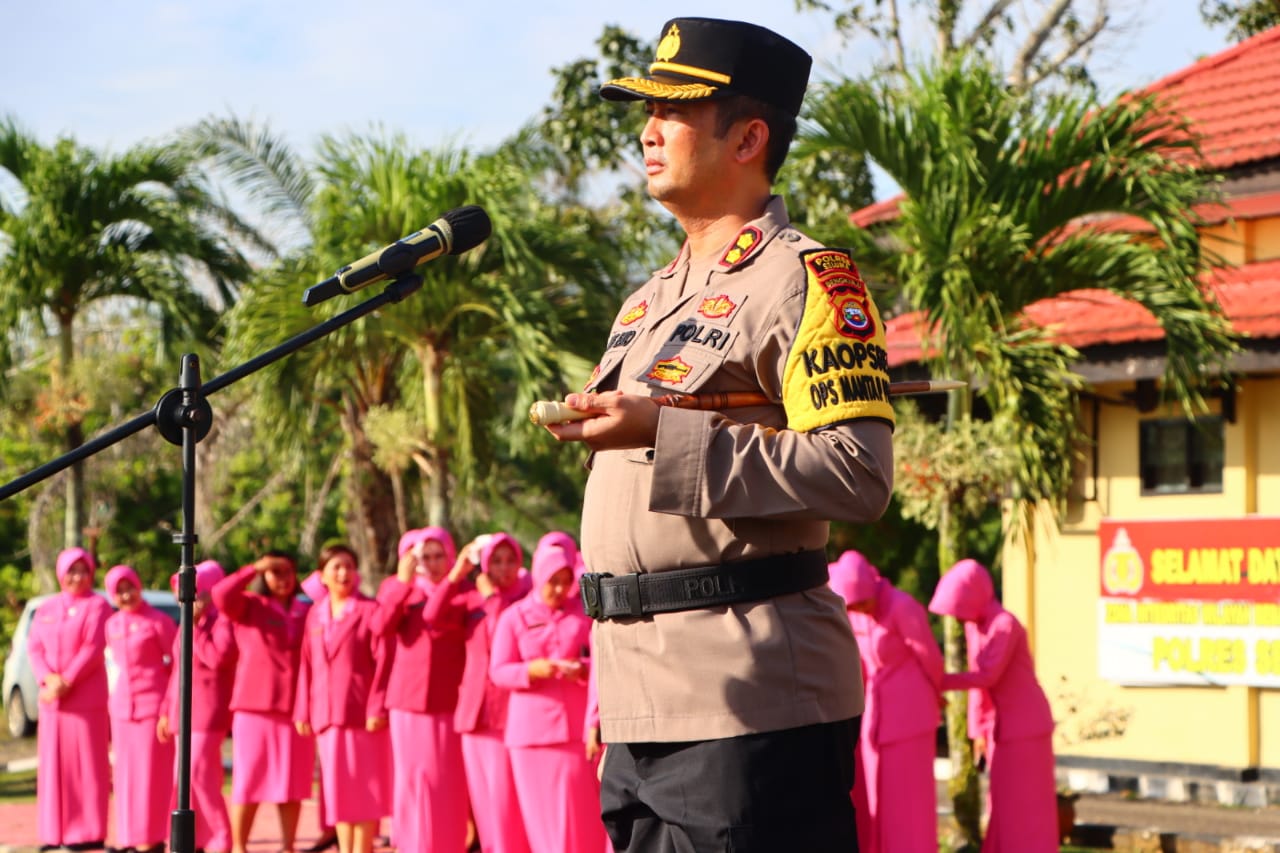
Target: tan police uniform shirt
{"type": "Point", "coordinates": [777, 313]}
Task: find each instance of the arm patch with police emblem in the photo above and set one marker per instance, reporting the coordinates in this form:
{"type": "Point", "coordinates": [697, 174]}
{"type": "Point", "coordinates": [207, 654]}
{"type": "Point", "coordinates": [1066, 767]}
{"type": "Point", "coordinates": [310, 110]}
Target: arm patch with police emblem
{"type": "Point", "coordinates": [838, 368]}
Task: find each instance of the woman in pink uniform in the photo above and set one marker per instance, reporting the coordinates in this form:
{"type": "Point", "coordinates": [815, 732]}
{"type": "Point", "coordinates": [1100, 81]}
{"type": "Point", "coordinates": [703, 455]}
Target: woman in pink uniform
{"type": "Point", "coordinates": [481, 715]}
{"type": "Point", "coordinates": [540, 653]}
{"type": "Point", "coordinates": [68, 636]}
{"type": "Point", "coordinates": [894, 790]}
{"type": "Point", "coordinates": [422, 616]}
{"type": "Point", "coordinates": [341, 699]}
{"type": "Point", "coordinates": [213, 670]}
{"type": "Point", "coordinates": [1018, 741]}
{"type": "Point", "coordinates": [141, 641]}
{"type": "Point", "coordinates": [271, 762]}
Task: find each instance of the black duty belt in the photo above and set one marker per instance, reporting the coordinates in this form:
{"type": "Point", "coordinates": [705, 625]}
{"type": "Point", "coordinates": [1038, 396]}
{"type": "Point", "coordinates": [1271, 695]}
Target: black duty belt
{"type": "Point", "coordinates": [608, 597]}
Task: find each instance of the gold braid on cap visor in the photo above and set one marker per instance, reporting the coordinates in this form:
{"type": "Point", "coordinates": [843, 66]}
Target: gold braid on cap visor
{"type": "Point", "coordinates": [646, 88]}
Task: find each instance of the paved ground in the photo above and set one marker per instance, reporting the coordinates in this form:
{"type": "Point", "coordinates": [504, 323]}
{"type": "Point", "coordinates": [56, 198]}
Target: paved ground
{"type": "Point", "coordinates": [18, 829]}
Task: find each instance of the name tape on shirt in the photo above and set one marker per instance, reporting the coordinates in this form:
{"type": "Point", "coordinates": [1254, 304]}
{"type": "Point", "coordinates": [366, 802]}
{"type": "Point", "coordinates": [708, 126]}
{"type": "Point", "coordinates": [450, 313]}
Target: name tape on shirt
{"type": "Point", "coordinates": [838, 368]}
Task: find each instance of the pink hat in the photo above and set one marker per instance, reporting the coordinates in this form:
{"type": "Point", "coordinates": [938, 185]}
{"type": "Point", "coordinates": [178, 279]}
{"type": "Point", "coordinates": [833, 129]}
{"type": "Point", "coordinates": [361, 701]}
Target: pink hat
{"type": "Point", "coordinates": [426, 534]}
{"type": "Point", "coordinates": [854, 578]}
{"type": "Point", "coordinates": [120, 573]}
{"type": "Point", "coordinates": [70, 557]}
{"type": "Point", "coordinates": [486, 551]}
{"type": "Point", "coordinates": [964, 592]}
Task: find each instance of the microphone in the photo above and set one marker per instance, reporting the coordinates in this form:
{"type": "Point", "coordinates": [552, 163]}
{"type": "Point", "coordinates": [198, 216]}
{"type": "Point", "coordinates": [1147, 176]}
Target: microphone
{"type": "Point", "coordinates": [459, 230]}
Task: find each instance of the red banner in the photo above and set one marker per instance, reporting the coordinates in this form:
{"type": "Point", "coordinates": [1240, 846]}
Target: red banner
{"type": "Point", "coordinates": [1234, 559]}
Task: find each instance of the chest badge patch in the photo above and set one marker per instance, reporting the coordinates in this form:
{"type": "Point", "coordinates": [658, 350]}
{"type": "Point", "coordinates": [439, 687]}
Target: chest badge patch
{"type": "Point", "coordinates": [745, 243]}
{"type": "Point", "coordinates": [672, 370]}
{"type": "Point", "coordinates": [595, 374]}
{"type": "Point", "coordinates": [717, 307]}
{"type": "Point", "coordinates": [635, 314]}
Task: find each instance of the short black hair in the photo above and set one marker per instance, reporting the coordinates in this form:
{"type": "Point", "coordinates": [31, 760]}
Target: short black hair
{"type": "Point", "coordinates": [782, 126]}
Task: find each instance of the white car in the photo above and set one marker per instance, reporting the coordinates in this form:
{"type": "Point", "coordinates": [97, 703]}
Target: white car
{"type": "Point", "coordinates": [19, 685]}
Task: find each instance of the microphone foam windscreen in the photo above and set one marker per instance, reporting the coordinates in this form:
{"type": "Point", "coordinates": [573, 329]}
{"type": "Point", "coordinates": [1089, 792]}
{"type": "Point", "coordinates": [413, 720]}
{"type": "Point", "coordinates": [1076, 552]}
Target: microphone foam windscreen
{"type": "Point", "coordinates": [471, 227]}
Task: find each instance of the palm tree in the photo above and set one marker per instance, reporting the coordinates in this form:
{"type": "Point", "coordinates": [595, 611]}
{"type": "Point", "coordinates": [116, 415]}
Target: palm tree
{"type": "Point", "coordinates": [489, 331]}
{"type": "Point", "coordinates": [999, 209]}
{"type": "Point", "coordinates": [80, 229]}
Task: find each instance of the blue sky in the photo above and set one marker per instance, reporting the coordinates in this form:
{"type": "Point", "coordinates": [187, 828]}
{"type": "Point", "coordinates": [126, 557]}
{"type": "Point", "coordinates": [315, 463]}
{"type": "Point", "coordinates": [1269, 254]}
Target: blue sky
{"type": "Point", "coordinates": [112, 74]}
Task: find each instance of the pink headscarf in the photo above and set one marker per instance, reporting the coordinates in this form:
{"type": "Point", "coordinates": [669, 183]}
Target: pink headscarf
{"type": "Point", "coordinates": [120, 573]}
{"type": "Point", "coordinates": [208, 573]}
{"type": "Point", "coordinates": [69, 558]}
{"type": "Point", "coordinates": [427, 534]}
{"type": "Point", "coordinates": [549, 558]}
{"type": "Point", "coordinates": [854, 578]}
{"type": "Point", "coordinates": [562, 539]}
{"type": "Point", "coordinates": [964, 592]}
{"type": "Point", "coordinates": [496, 539]}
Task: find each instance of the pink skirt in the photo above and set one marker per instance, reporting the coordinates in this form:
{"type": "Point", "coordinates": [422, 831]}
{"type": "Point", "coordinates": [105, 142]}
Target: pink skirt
{"type": "Point", "coordinates": [270, 761]}
{"type": "Point", "coordinates": [355, 774]}
{"type": "Point", "coordinates": [75, 775]}
{"type": "Point", "coordinates": [430, 802]}
{"type": "Point", "coordinates": [142, 803]}
{"type": "Point", "coordinates": [1023, 797]}
{"type": "Point", "coordinates": [896, 797]}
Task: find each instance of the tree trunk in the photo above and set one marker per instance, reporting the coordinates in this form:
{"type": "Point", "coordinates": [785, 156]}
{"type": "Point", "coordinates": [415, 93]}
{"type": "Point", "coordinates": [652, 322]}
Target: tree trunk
{"type": "Point", "coordinates": [963, 786]}
{"type": "Point", "coordinates": [370, 505]}
{"type": "Point", "coordinates": [74, 521]}
{"type": "Point", "coordinates": [437, 492]}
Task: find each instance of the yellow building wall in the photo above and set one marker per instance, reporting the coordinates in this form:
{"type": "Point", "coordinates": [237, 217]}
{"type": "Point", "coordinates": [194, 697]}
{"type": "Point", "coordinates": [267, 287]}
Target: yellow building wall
{"type": "Point", "coordinates": [1265, 240]}
{"type": "Point", "coordinates": [1223, 726]}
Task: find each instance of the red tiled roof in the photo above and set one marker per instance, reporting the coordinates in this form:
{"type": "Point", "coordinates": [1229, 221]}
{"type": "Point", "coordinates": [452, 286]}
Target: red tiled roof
{"type": "Point", "coordinates": [1250, 298]}
{"type": "Point", "coordinates": [1232, 99]}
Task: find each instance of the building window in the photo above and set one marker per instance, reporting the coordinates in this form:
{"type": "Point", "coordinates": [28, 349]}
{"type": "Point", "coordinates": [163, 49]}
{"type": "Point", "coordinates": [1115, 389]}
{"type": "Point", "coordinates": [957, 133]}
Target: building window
{"type": "Point", "coordinates": [1178, 455]}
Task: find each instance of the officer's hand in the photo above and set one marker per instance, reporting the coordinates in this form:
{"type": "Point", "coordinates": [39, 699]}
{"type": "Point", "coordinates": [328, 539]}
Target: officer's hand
{"type": "Point", "coordinates": [375, 724]}
{"type": "Point", "coordinates": [162, 730]}
{"type": "Point", "coordinates": [304, 728]}
{"type": "Point", "coordinates": [623, 421]}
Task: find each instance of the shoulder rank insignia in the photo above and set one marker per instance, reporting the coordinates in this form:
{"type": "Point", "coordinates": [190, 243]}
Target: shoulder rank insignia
{"type": "Point", "coordinates": [743, 245]}
{"type": "Point", "coordinates": [838, 368]}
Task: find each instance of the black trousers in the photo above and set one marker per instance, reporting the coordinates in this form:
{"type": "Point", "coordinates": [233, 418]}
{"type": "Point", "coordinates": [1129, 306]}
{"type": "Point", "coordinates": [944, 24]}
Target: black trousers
{"type": "Point", "coordinates": [763, 793]}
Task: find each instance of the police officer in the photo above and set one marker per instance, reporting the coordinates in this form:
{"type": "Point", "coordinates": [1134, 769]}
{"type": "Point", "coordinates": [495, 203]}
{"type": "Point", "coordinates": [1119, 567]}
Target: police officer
{"type": "Point", "coordinates": [729, 683]}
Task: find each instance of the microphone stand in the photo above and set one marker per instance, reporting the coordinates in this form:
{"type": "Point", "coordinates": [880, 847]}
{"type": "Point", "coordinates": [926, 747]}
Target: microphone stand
{"type": "Point", "coordinates": [183, 416]}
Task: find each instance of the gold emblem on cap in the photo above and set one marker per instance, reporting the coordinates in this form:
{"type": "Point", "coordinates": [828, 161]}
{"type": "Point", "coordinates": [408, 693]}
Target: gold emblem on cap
{"type": "Point", "coordinates": [670, 44]}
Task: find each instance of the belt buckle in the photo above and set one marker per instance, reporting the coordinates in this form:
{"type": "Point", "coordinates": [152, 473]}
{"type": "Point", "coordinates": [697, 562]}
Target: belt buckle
{"type": "Point", "coordinates": [589, 587]}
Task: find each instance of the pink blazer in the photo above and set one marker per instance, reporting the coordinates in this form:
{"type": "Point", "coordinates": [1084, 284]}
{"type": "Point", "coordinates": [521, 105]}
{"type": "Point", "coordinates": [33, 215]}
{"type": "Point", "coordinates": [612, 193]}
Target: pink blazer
{"type": "Point", "coordinates": [141, 644]}
{"type": "Point", "coordinates": [68, 636]}
{"type": "Point", "coordinates": [1000, 665]}
{"type": "Point", "coordinates": [269, 639]}
{"type": "Point", "coordinates": [552, 710]}
{"type": "Point", "coordinates": [482, 705]}
{"type": "Point", "coordinates": [901, 666]}
{"type": "Point", "coordinates": [213, 673]}
{"type": "Point", "coordinates": [426, 628]}
{"type": "Point", "coordinates": [342, 678]}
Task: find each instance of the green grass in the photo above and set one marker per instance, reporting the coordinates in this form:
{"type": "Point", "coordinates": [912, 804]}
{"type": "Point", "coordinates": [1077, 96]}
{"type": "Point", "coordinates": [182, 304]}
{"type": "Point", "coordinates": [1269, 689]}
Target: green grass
{"type": "Point", "coordinates": [18, 786]}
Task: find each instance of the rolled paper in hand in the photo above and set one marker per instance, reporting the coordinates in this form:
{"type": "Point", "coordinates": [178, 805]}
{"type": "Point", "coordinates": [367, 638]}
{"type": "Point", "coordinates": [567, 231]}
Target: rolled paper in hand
{"type": "Point", "coordinates": [545, 412]}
